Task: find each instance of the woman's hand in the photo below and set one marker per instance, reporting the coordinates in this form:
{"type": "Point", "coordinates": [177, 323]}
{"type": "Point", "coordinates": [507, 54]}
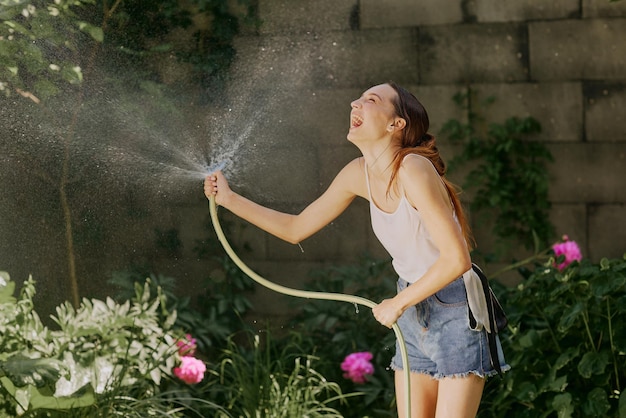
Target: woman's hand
{"type": "Point", "coordinates": [387, 312]}
{"type": "Point", "coordinates": [215, 184]}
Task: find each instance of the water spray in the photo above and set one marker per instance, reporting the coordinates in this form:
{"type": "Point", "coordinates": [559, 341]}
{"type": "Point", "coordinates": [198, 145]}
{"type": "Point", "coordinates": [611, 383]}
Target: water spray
{"type": "Point", "coordinates": [356, 300]}
{"type": "Point", "coordinates": [216, 167]}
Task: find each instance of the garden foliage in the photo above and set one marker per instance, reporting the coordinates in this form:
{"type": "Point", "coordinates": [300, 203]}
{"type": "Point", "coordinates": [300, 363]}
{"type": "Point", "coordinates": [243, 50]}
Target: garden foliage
{"type": "Point", "coordinates": [99, 349]}
{"type": "Point", "coordinates": [110, 359]}
{"type": "Point", "coordinates": [267, 378]}
{"type": "Point", "coordinates": [333, 330]}
{"type": "Point", "coordinates": [566, 343]}
{"type": "Point", "coordinates": [508, 174]}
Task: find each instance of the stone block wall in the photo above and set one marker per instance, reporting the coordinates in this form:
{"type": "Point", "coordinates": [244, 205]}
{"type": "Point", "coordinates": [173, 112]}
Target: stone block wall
{"type": "Point", "coordinates": [562, 62]}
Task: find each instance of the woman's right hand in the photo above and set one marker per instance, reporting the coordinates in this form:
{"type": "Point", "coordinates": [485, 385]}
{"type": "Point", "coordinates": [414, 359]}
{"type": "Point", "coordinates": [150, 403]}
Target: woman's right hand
{"type": "Point", "coordinates": [215, 184]}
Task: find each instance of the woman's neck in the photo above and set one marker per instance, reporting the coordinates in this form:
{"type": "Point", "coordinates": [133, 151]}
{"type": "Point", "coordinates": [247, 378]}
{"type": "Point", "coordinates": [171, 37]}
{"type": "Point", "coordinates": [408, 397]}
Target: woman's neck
{"type": "Point", "coordinates": [379, 159]}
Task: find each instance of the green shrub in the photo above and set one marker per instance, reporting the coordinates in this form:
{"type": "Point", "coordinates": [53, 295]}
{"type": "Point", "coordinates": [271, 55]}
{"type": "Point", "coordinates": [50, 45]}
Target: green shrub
{"type": "Point", "coordinates": [507, 172]}
{"type": "Point", "coordinates": [566, 343]}
{"type": "Point", "coordinates": [105, 358]}
{"type": "Point", "coordinates": [110, 359]}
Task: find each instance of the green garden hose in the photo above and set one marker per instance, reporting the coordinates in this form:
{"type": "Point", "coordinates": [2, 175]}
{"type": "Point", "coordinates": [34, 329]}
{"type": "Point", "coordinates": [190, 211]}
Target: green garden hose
{"type": "Point", "coordinates": [310, 295]}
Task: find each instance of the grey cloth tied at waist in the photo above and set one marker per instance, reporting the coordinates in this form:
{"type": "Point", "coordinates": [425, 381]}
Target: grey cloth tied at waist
{"type": "Point", "coordinates": [484, 310]}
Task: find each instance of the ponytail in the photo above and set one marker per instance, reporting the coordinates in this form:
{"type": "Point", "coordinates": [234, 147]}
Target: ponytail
{"type": "Point", "coordinates": [415, 139]}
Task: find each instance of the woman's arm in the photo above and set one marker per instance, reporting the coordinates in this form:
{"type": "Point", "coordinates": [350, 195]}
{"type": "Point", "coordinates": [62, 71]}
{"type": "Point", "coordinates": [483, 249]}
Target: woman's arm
{"type": "Point", "coordinates": [291, 228]}
{"type": "Point", "coordinates": [426, 192]}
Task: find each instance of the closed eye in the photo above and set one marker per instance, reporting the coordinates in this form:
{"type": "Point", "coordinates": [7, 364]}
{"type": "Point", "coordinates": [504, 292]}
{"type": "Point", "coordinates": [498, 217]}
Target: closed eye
{"type": "Point", "coordinates": [373, 97]}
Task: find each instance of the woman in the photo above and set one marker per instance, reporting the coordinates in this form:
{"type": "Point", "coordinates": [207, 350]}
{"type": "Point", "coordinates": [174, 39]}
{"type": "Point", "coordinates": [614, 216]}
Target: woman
{"type": "Point", "coordinates": [419, 220]}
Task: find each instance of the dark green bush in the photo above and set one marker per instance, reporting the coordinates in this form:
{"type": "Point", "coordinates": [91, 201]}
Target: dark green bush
{"type": "Point", "coordinates": [566, 344]}
{"type": "Point", "coordinates": [565, 341]}
{"type": "Point", "coordinates": [507, 173]}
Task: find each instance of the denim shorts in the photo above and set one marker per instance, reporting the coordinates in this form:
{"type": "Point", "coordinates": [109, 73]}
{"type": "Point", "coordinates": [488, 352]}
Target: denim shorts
{"type": "Point", "coordinates": [438, 337]}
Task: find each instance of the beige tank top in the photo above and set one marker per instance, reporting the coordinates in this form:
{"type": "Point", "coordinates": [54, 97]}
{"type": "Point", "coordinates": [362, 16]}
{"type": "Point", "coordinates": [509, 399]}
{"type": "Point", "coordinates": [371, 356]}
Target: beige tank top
{"type": "Point", "coordinates": [403, 234]}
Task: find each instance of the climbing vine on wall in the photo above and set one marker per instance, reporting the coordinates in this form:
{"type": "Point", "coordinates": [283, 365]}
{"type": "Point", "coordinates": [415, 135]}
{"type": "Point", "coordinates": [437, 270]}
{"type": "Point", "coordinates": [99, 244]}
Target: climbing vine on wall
{"type": "Point", "coordinates": [507, 173]}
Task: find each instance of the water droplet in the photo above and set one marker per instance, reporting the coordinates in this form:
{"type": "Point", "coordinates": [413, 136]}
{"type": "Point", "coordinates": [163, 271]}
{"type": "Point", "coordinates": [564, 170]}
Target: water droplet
{"type": "Point", "coordinates": [356, 307]}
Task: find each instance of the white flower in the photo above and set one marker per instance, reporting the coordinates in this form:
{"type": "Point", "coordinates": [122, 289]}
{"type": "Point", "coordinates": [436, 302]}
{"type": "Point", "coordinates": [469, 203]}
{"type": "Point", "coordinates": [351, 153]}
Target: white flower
{"type": "Point", "coordinates": [54, 67]}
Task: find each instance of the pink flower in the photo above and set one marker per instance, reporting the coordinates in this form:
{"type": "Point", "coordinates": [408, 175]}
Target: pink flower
{"type": "Point", "coordinates": [187, 346]}
{"type": "Point", "coordinates": [191, 370]}
{"type": "Point", "coordinates": [570, 249]}
{"type": "Point", "coordinates": [357, 366]}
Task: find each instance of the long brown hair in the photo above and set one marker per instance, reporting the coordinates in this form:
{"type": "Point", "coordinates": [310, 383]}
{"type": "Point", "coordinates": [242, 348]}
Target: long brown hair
{"type": "Point", "coordinates": [415, 139]}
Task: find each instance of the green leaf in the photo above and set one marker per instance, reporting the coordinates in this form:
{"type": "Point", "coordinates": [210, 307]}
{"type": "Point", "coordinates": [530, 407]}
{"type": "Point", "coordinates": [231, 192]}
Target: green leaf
{"type": "Point", "coordinates": [562, 404]}
{"type": "Point", "coordinates": [605, 264]}
{"type": "Point", "coordinates": [161, 48]}
{"type": "Point", "coordinates": [570, 316]}
{"type": "Point", "coordinates": [41, 400]}
{"type": "Point", "coordinates": [31, 397]}
{"type": "Point", "coordinates": [566, 357]}
{"type": "Point", "coordinates": [557, 385]}
{"type": "Point", "coordinates": [526, 391]}
{"type": "Point", "coordinates": [36, 372]}
{"type": "Point", "coordinates": [72, 74]}
{"type": "Point", "coordinates": [593, 363]}
{"type": "Point", "coordinates": [94, 31]}
{"type": "Point", "coordinates": [17, 27]}
{"type": "Point", "coordinates": [597, 403]}
{"type": "Point", "coordinates": [45, 89]}
{"type": "Point", "coordinates": [607, 284]}
{"type": "Point", "coordinates": [622, 405]}
{"type": "Point", "coordinates": [5, 12]}
{"type": "Point", "coordinates": [529, 339]}
{"type": "Point", "coordinates": [7, 288]}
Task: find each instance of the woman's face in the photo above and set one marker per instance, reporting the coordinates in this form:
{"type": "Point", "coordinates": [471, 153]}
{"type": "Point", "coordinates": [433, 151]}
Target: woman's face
{"type": "Point", "coordinates": [372, 114]}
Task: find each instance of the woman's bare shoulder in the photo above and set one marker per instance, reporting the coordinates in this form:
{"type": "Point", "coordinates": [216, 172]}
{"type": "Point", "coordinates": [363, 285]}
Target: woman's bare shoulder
{"type": "Point", "coordinates": [352, 176]}
{"type": "Point", "coordinates": [421, 183]}
{"type": "Point", "coordinates": [415, 164]}
{"type": "Point", "coordinates": [353, 168]}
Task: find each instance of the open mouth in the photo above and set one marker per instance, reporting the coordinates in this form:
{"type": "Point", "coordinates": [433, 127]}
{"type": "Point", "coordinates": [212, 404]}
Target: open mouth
{"type": "Point", "coordinates": [355, 121]}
